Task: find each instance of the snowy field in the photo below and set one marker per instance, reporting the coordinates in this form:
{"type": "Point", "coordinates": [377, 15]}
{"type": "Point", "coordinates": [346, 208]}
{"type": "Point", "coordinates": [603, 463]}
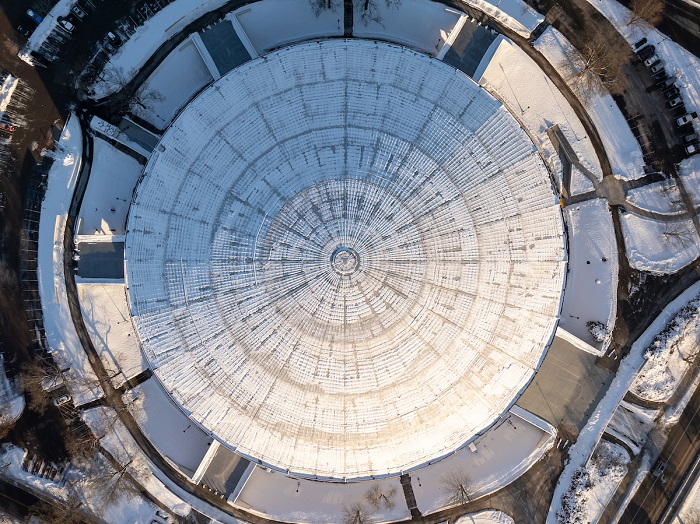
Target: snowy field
{"type": "Point", "coordinates": [594, 485]}
{"type": "Point", "coordinates": [589, 437]}
{"type": "Point", "coordinates": [591, 287]}
{"type": "Point", "coordinates": [670, 355]}
{"type": "Point", "coordinates": [167, 427]}
{"type": "Point", "coordinates": [58, 324]}
{"type": "Point", "coordinates": [659, 247]}
{"type": "Point", "coordinates": [620, 144]}
{"type": "Point", "coordinates": [170, 88]}
{"type": "Point", "coordinates": [106, 315]}
{"type": "Point", "coordinates": [273, 23]}
{"type": "Point", "coordinates": [538, 105]}
{"type": "Point", "coordinates": [689, 170]}
{"type": "Point", "coordinates": [489, 516]}
{"type": "Point", "coordinates": [113, 175]}
{"type": "Point", "coordinates": [680, 63]}
{"type": "Point", "coordinates": [661, 197]}
{"type": "Point", "coordinates": [420, 24]}
{"type": "Point", "coordinates": [514, 14]}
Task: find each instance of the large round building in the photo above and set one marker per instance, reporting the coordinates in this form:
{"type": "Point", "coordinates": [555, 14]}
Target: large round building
{"type": "Point", "coordinates": [345, 259]}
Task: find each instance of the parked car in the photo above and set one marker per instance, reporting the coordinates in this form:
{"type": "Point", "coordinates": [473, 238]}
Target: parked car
{"type": "Point", "coordinates": [646, 52]}
{"type": "Point", "coordinates": [35, 16]}
{"type": "Point", "coordinates": [63, 399]}
{"type": "Point", "coordinates": [7, 127]}
{"type": "Point", "coordinates": [77, 11]}
{"type": "Point", "coordinates": [109, 47]}
{"type": "Point", "coordinates": [640, 43]}
{"type": "Point", "coordinates": [671, 93]}
{"type": "Point", "coordinates": [675, 101]}
{"type": "Point", "coordinates": [688, 139]}
{"type": "Point", "coordinates": [66, 25]}
{"type": "Point", "coordinates": [692, 149]}
{"type": "Point", "coordinates": [666, 81]}
{"type": "Point", "coordinates": [23, 31]}
{"type": "Point", "coordinates": [683, 120]}
{"type": "Point", "coordinates": [657, 67]}
{"type": "Point", "coordinates": [114, 38]}
{"type": "Point", "coordinates": [651, 60]}
{"type": "Point", "coordinates": [671, 86]}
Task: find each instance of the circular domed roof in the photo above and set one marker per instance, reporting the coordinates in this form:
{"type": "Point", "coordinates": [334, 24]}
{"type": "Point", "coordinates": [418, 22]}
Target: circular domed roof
{"type": "Point", "coordinates": [345, 259]}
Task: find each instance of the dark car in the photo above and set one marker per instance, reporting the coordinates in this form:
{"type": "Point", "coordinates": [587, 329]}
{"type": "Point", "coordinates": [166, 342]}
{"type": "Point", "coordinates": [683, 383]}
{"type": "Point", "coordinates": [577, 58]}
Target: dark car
{"type": "Point", "coordinates": [640, 43]}
{"type": "Point", "coordinates": [23, 31]}
{"type": "Point", "coordinates": [645, 52]}
{"type": "Point", "coordinates": [114, 39]}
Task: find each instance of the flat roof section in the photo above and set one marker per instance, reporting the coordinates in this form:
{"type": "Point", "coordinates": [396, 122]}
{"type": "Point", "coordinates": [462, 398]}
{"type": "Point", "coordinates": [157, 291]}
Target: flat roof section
{"type": "Point", "coordinates": [101, 260]}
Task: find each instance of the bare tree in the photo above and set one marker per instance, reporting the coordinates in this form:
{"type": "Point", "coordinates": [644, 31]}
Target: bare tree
{"type": "Point", "coordinates": [318, 6]}
{"type": "Point", "coordinates": [119, 82]}
{"type": "Point", "coordinates": [455, 485]}
{"type": "Point", "coordinates": [355, 514]}
{"type": "Point", "coordinates": [679, 234]}
{"type": "Point", "coordinates": [377, 496]}
{"type": "Point", "coordinates": [649, 11]}
{"type": "Point", "coordinates": [367, 11]}
{"type": "Point", "coordinates": [70, 512]}
{"type": "Point", "coordinates": [107, 484]}
{"type": "Point", "coordinates": [33, 376]}
{"type": "Point", "coordinates": [602, 67]}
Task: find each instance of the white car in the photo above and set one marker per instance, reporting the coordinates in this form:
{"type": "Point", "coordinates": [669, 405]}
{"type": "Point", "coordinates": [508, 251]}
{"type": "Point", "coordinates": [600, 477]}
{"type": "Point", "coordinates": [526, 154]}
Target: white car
{"type": "Point", "coordinates": [66, 25]}
{"type": "Point", "coordinates": [63, 399]}
{"type": "Point", "coordinates": [684, 119]}
{"type": "Point", "coordinates": [651, 60]}
{"type": "Point", "coordinates": [692, 149]}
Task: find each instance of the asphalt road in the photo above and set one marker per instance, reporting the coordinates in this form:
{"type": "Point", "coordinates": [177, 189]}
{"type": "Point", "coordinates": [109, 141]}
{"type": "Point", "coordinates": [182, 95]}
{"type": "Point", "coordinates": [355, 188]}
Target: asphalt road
{"type": "Point", "coordinates": [682, 446]}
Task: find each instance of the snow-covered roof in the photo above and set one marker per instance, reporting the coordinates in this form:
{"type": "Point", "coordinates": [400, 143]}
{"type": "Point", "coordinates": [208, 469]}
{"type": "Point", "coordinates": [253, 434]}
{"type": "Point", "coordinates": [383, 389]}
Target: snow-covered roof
{"type": "Point", "coordinates": [345, 259]}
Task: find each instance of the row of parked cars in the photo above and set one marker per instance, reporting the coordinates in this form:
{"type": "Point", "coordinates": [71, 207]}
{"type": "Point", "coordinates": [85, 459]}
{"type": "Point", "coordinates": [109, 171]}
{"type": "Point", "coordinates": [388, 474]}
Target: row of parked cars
{"type": "Point", "coordinates": [671, 91]}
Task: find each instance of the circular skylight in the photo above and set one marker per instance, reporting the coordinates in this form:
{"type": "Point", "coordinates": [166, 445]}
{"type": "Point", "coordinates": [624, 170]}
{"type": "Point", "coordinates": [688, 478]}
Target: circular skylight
{"type": "Point", "coordinates": [345, 259]}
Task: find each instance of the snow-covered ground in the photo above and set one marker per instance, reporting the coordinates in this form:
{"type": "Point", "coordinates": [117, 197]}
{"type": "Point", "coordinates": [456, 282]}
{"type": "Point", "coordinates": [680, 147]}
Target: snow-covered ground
{"type": "Point", "coordinates": [130, 506]}
{"type": "Point", "coordinates": [113, 175]}
{"type": "Point", "coordinates": [514, 14]}
{"type": "Point", "coordinates": [670, 355]}
{"type": "Point", "coordinates": [106, 315]}
{"type": "Point", "coordinates": [591, 287]}
{"type": "Point", "coordinates": [58, 324]}
{"type": "Point", "coordinates": [589, 437]}
{"type": "Point", "coordinates": [690, 509]}
{"type": "Point", "coordinates": [167, 427]}
{"type": "Point", "coordinates": [11, 400]}
{"type": "Point", "coordinates": [489, 516]}
{"type": "Point", "coordinates": [502, 454]}
{"type": "Point", "coordinates": [6, 90]}
{"type": "Point", "coordinates": [420, 24]}
{"type": "Point", "coordinates": [689, 170]}
{"type": "Point", "coordinates": [538, 105]}
{"type": "Point", "coordinates": [679, 62]}
{"type": "Point", "coordinates": [631, 424]}
{"type": "Point", "coordinates": [595, 484]}
{"type": "Point", "coordinates": [269, 24]}
{"type": "Point", "coordinates": [47, 25]}
{"type": "Point", "coordinates": [661, 197]}
{"type": "Point", "coordinates": [170, 89]}
{"type": "Point", "coordinates": [659, 247]}
{"type": "Point", "coordinates": [621, 146]}
{"type": "Point", "coordinates": [149, 37]}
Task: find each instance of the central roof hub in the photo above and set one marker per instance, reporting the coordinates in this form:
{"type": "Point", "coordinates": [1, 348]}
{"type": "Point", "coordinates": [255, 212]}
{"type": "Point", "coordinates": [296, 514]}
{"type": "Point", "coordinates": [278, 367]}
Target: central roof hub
{"type": "Point", "coordinates": [345, 260]}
